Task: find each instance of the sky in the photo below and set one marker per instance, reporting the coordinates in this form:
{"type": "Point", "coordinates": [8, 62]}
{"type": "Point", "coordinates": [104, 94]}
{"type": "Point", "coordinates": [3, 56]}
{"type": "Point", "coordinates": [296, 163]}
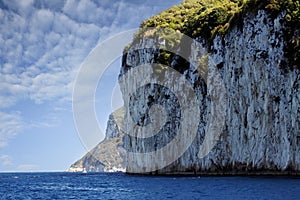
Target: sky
{"type": "Point", "coordinates": [43, 44]}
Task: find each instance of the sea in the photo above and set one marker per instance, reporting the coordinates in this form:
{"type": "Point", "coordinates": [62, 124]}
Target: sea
{"type": "Point", "coordinates": [122, 186]}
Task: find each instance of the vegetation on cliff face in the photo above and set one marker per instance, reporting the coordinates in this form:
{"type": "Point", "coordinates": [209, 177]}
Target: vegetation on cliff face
{"type": "Point", "coordinates": [207, 18]}
{"type": "Point", "coordinates": [292, 34]}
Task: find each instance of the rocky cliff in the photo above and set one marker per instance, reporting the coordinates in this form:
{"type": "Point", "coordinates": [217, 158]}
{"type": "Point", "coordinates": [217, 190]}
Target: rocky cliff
{"type": "Point", "coordinates": [109, 155]}
{"type": "Point", "coordinates": [241, 60]}
{"type": "Point", "coordinates": [253, 48]}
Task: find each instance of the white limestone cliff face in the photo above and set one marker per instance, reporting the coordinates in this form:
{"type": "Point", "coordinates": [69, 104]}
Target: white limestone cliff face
{"type": "Point", "coordinates": [261, 133]}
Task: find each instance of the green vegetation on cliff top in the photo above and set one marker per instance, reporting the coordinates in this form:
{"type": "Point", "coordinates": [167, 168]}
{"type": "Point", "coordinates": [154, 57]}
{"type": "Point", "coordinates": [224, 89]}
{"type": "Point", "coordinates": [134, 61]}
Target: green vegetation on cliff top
{"type": "Point", "coordinates": [207, 18]}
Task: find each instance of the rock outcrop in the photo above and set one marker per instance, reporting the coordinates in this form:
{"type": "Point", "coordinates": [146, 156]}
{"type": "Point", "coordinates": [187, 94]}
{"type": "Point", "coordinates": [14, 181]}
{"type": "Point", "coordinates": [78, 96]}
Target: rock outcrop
{"type": "Point", "coordinates": [109, 155]}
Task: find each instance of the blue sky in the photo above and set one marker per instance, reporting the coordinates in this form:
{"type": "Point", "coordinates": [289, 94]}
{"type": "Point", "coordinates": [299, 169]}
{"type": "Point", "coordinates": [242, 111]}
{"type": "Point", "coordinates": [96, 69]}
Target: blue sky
{"type": "Point", "coordinates": [42, 46]}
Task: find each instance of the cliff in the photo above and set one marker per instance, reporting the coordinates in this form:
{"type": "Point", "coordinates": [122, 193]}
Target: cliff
{"type": "Point", "coordinates": [241, 63]}
{"type": "Point", "coordinates": [232, 97]}
{"type": "Point", "coordinates": [109, 155]}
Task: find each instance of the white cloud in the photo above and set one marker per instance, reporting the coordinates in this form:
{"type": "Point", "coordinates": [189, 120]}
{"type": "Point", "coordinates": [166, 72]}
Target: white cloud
{"type": "Point", "coordinates": [40, 54]}
{"type": "Point", "coordinates": [54, 86]}
{"type": "Point", "coordinates": [23, 7]}
{"type": "Point", "coordinates": [83, 11]}
{"type": "Point", "coordinates": [42, 20]}
{"type": "Point", "coordinates": [49, 44]}
{"type": "Point", "coordinates": [6, 102]}
{"type": "Point", "coordinates": [43, 44]}
{"type": "Point", "coordinates": [10, 125]}
{"type": "Point", "coordinates": [5, 160]}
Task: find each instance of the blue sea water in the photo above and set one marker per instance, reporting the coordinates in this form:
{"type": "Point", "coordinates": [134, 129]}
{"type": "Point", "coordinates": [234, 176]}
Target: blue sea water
{"type": "Point", "coordinates": [122, 186]}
